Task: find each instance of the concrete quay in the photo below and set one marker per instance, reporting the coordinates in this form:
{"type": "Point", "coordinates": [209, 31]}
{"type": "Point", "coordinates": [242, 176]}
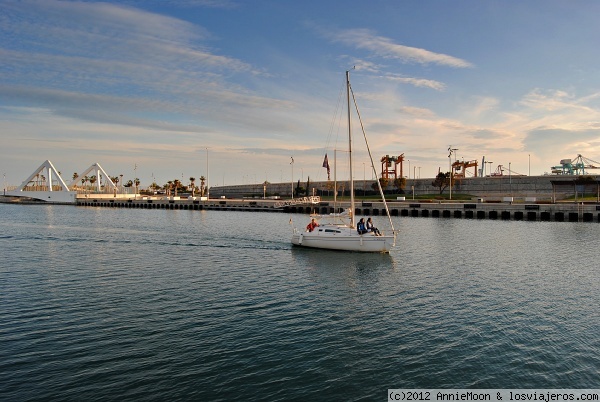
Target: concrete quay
{"type": "Point", "coordinates": [546, 188]}
{"type": "Point", "coordinates": [559, 212]}
{"type": "Point", "coordinates": [551, 212]}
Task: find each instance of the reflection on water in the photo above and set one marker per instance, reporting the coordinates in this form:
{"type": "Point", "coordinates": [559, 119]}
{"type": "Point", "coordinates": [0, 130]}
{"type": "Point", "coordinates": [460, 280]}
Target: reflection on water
{"type": "Point", "coordinates": [102, 303]}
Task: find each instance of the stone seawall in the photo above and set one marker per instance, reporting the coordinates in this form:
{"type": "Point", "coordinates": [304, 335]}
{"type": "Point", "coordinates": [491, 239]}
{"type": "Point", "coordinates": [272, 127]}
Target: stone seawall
{"type": "Point", "coordinates": [491, 188]}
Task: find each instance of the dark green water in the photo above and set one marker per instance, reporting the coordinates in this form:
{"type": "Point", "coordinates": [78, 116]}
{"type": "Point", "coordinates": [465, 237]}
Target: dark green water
{"type": "Point", "coordinates": [113, 304]}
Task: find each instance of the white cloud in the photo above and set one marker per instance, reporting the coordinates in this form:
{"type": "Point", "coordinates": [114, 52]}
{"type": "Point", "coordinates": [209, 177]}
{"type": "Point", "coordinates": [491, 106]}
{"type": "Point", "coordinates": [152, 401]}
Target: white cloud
{"type": "Point", "coordinates": [418, 82]}
{"type": "Point", "coordinates": [109, 46]}
{"type": "Point", "coordinates": [416, 112]}
{"type": "Point", "coordinates": [548, 100]}
{"type": "Point", "coordinates": [485, 104]}
{"type": "Point", "coordinates": [386, 48]}
{"type": "Point", "coordinates": [364, 65]}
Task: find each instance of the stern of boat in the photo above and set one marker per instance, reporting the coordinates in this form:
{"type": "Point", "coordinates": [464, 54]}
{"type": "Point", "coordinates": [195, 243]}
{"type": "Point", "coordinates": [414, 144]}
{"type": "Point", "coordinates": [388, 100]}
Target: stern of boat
{"type": "Point", "coordinates": [296, 237]}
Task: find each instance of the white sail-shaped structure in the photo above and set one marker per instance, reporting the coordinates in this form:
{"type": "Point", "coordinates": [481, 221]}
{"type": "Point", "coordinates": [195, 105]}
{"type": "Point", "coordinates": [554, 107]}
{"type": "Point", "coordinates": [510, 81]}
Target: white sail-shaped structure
{"type": "Point", "coordinates": [45, 184]}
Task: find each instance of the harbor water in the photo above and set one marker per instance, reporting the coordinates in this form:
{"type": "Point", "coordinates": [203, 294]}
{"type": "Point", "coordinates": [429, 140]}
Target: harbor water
{"type": "Point", "coordinates": [130, 304]}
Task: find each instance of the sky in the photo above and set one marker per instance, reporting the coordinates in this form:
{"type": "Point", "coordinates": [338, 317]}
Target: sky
{"type": "Point", "coordinates": [233, 90]}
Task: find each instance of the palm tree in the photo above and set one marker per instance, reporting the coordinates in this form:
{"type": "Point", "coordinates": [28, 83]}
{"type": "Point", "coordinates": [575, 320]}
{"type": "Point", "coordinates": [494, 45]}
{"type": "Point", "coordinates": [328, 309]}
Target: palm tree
{"type": "Point", "coordinates": [170, 184]}
{"type": "Point", "coordinates": [115, 181]}
{"type": "Point", "coordinates": [202, 181]}
{"type": "Point", "coordinates": [93, 179]}
{"type": "Point", "coordinates": [177, 183]}
{"type": "Point", "coordinates": [192, 180]}
{"type": "Point", "coordinates": [137, 184]}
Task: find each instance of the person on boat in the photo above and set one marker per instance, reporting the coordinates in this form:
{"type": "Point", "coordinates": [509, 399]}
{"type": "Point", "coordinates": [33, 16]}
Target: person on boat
{"type": "Point", "coordinates": [372, 228]}
{"type": "Point", "coordinates": [360, 227]}
{"type": "Point", "coordinates": [312, 225]}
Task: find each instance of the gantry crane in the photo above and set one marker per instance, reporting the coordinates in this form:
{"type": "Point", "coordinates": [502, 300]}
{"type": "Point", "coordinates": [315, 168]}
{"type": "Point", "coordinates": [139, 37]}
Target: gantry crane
{"type": "Point", "coordinates": [459, 169]}
{"type": "Point", "coordinates": [500, 171]}
{"type": "Point", "coordinates": [576, 166]}
{"type": "Point", "coordinates": [386, 166]}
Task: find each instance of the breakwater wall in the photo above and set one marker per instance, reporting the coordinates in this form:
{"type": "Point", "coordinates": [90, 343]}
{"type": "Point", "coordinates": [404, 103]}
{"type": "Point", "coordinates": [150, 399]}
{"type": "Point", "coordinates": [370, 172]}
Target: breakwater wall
{"type": "Point", "coordinates": [552, 212]}
{"type": "Point", "coordinates": [489, 187]}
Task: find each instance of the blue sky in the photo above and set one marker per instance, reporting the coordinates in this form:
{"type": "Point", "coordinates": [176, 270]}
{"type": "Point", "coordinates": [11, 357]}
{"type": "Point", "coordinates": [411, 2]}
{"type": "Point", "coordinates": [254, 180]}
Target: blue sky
{"type": "Point", "coordinates": [145, 88]}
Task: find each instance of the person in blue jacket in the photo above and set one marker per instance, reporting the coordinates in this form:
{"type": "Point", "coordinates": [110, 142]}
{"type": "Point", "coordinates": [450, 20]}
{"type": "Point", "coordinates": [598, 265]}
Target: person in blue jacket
{"type": "Point", "coordinates": [360, 227]}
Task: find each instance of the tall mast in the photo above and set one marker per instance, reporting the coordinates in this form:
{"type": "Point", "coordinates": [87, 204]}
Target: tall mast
{"type": "Point", "coordinates": [352, 209]}
{"type": "Point", "coordinates": [334, 177]}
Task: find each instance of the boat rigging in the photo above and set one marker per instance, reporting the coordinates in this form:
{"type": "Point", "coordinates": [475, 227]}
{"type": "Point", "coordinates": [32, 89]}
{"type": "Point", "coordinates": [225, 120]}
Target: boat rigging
{"type": "Point", "coordinates": [343, 233]}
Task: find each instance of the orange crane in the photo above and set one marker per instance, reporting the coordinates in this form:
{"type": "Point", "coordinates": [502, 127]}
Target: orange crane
{"type": "Point", "coordinates": [386, 166]}
{"type": "Point", "coordinates": [459, 169]}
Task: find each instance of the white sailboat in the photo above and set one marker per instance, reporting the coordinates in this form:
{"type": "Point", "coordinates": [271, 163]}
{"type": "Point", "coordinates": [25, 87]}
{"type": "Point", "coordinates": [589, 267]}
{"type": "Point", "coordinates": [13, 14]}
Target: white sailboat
{"type": "Point", "coordinates": [338, 232]}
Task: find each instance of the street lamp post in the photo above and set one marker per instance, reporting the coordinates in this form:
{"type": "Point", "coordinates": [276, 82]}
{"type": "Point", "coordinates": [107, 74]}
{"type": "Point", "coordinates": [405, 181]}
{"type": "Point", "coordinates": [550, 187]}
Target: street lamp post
{"type": "Point", "coordinates": [207, 186]}
{"type": "Point", "coordinates": [292, 163]}
{"type": "Point", "coordinates": [509, 179]}
{"type": "Point", "coordinates": [450, 152]}
{"type": "Point", "coordinates": [364, 179]}
{"type": "Point", "coordinates": [450, 168]}
{"type": "Point", "coordinates": [414, 180]}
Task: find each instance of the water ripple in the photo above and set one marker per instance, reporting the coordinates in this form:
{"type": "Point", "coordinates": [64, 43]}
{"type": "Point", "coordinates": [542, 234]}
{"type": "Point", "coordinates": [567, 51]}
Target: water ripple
{"type": "Point", "coordinates": [158, 305]}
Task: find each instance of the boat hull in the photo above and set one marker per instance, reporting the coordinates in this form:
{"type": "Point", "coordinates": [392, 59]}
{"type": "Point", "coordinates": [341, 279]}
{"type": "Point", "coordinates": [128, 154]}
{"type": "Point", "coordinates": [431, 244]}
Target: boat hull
{"type": "Point", "coordinates": [344, 240]}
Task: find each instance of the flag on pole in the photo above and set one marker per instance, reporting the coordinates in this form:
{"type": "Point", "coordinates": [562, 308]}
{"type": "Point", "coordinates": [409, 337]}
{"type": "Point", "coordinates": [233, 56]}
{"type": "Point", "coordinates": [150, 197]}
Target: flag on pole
{"type": "Point", "coordinates": [326, 165]}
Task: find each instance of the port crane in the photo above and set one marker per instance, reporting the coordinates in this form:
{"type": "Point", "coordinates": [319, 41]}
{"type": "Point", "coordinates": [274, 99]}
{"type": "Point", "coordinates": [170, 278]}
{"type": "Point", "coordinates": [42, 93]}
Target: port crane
{"type": "Point", "coordinates": [576, 166]}
{"type": "Point", "coordinates": [387, 172]}
{"type": "Point", "coordinates": [459, 169]}
{"type": "Point", "coordinates": [501, 169]}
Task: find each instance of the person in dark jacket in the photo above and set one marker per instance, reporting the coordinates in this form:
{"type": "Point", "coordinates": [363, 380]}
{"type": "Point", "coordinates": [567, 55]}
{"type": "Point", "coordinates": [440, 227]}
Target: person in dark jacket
{"type": "Point", "coordinates": [360, 227]}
